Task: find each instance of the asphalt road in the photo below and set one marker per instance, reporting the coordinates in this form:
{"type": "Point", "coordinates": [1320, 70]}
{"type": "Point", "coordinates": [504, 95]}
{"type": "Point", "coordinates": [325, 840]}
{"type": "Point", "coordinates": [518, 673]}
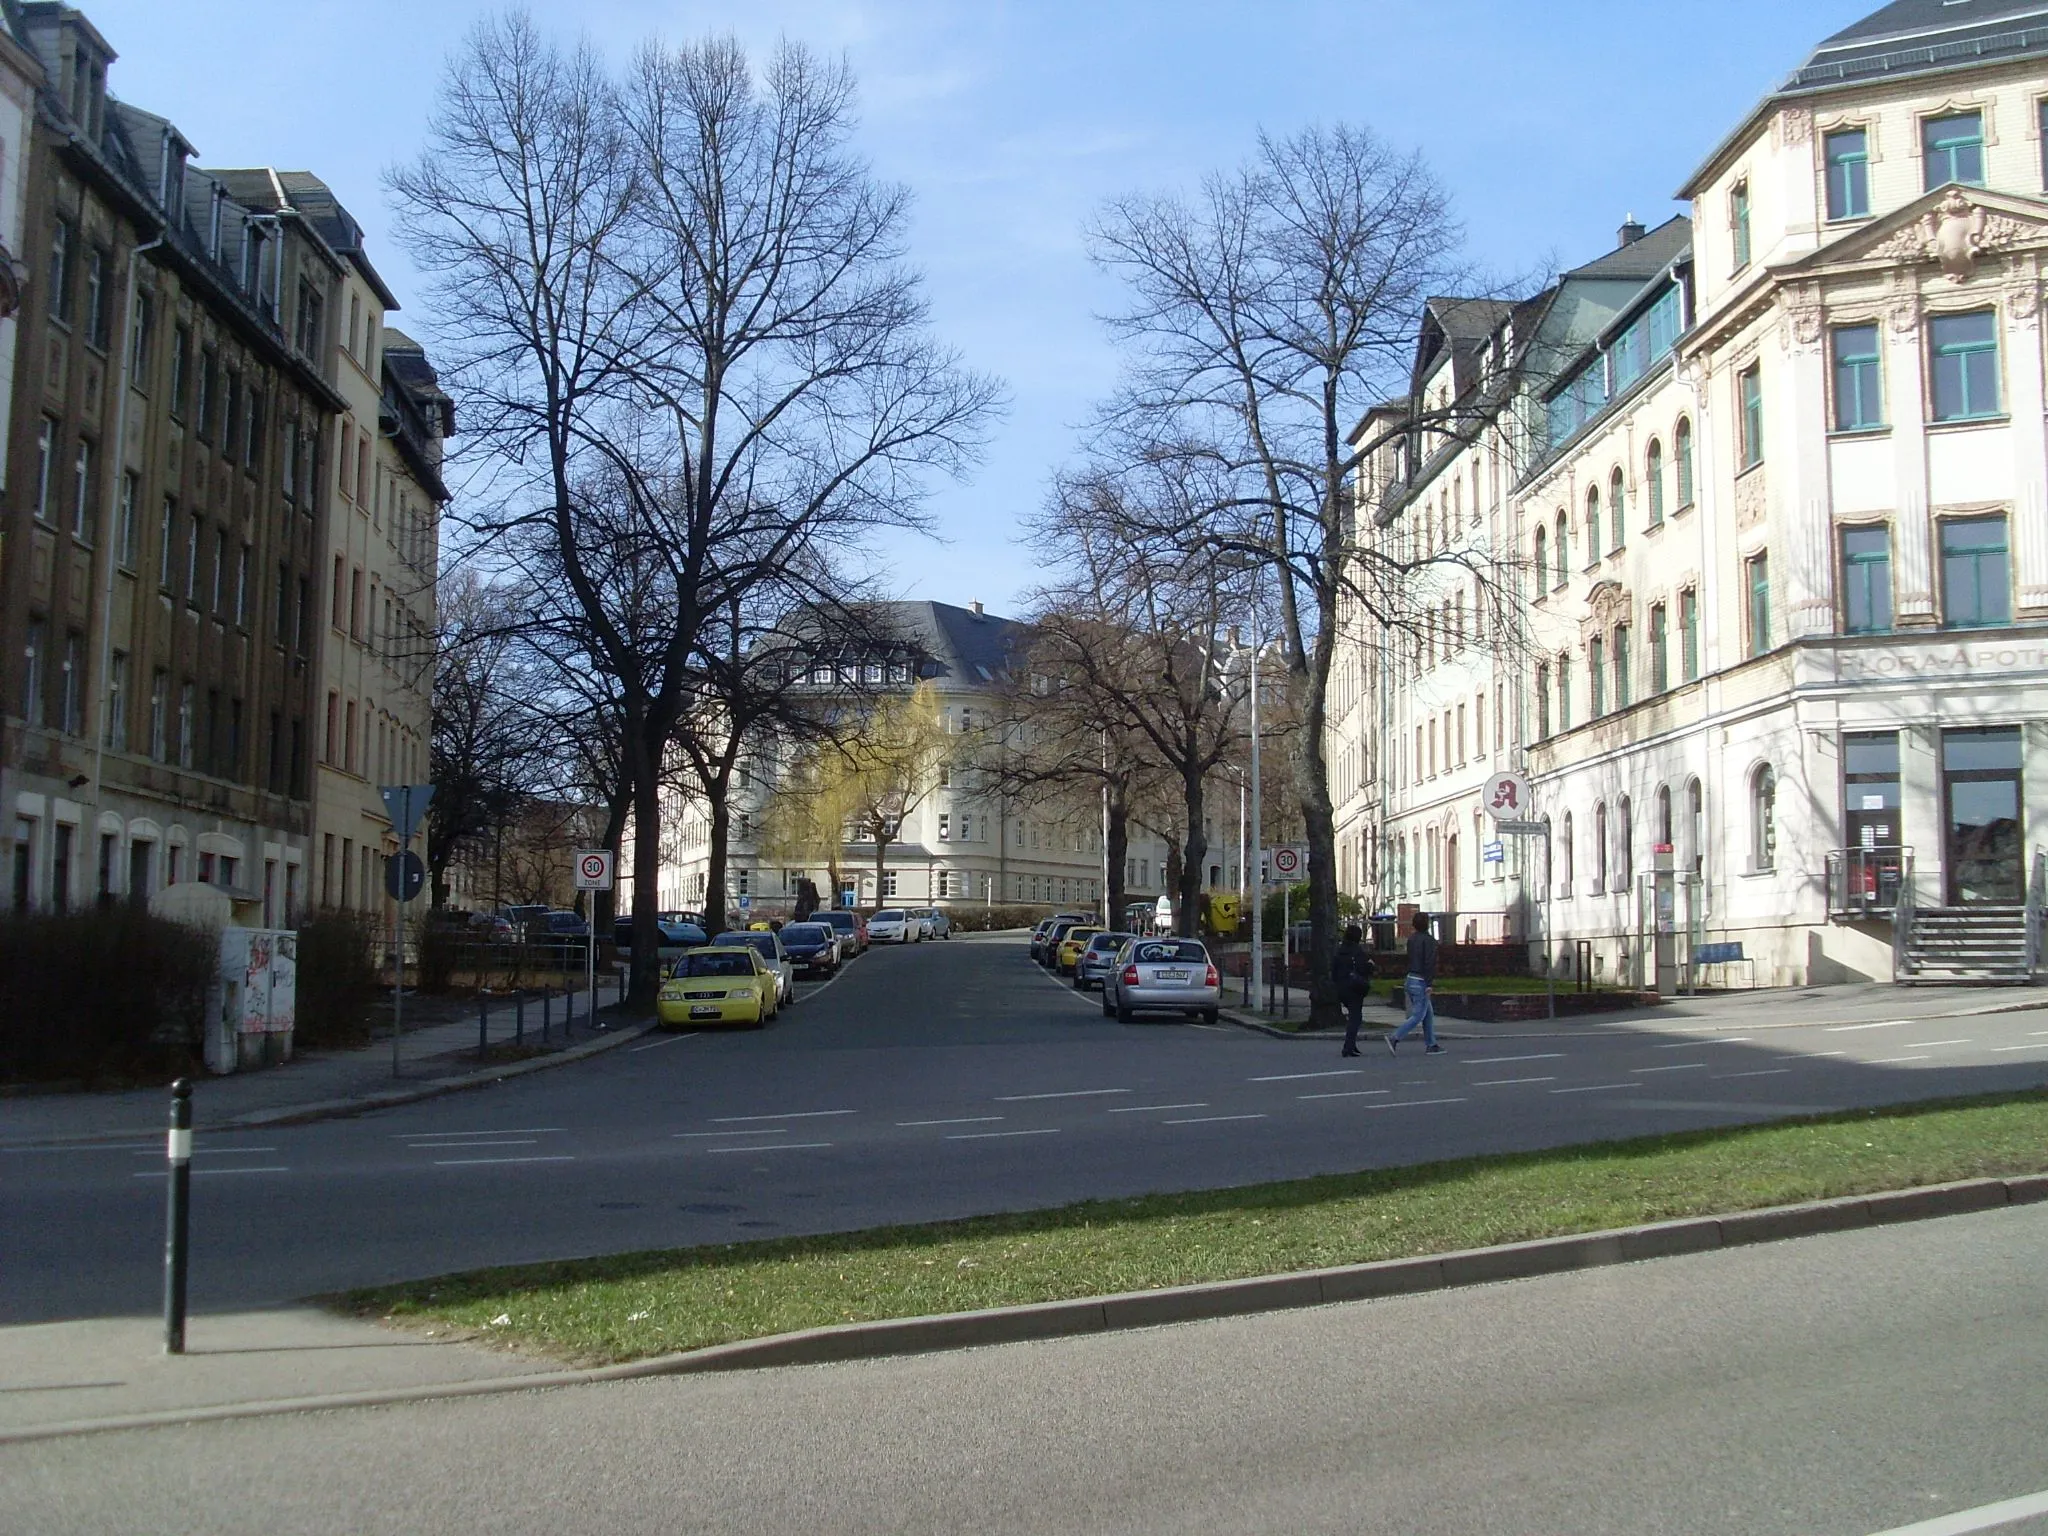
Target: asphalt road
{"type": "Point", "coordinates": [1845, 1385]}
{"type": "Point", "coordinates": [933, 1081]}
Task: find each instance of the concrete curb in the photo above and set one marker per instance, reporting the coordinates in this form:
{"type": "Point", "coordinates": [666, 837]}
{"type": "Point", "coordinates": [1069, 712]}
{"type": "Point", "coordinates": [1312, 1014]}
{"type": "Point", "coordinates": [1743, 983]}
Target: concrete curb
{"type": "Point", "coordinates": [387, 1098]}
{"type": "Point", "coordinates": [1177, 1304]}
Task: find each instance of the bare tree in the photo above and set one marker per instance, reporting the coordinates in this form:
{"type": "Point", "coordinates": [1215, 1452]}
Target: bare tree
{"type": "Point", "coordinates": [688, 279]}
{"type": "Point", "coordinates": [1266, 314]}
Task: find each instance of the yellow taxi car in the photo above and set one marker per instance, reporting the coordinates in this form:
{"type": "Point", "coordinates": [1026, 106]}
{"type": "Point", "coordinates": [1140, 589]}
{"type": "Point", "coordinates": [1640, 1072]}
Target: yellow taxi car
{"type": "Point", "coordinates": [722, 985]}
{"type": "Point", "coordinates": [1071, 947]}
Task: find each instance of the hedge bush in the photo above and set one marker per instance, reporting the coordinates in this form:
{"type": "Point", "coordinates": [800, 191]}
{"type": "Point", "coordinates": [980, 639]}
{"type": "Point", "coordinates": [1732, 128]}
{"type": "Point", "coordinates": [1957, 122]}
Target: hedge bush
{"type": "Point", "coordinates": [994, 919]}
{"type": "Point", "coordinates": [103, 996]}
{"type": "Point", "coordinates": [338, 967]}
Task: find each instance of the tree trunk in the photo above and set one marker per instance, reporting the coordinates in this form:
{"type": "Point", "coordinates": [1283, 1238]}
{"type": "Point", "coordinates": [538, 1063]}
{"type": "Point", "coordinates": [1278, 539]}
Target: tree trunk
{"type": "Point", "coordinates": [1119, 846]}
{"type": "Point", "coordinates": [1195, 850]}
{"type": "Point", "coordinates": [883, 833]}
{"type": "Point", "coordinates": [618, 806]}
{"type": "Point", "coordinates": [1312, 781]}
{"type": "Point", "coordinates": [642, 762]}
{"type": "Point", "coordinates": [718, 818]}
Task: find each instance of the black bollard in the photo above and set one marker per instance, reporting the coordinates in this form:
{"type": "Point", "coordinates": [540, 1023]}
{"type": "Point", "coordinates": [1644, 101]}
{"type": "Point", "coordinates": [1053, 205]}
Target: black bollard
{"type": "Point", "coordinates": [178, 1217]}
{"type": "Point", "coordinates": [546, 1007]}
{"type": "Point", "coordinates": [483, 1023]}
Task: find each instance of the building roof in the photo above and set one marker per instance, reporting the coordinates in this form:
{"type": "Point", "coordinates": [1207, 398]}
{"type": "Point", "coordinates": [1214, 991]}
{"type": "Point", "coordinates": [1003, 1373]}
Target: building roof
{"type": "Point", "coordinates": [967, 648]}
{"type": "Point", "coordinates": [1640, 260]}
{"type": "Point", "coordinates": [314, 201]}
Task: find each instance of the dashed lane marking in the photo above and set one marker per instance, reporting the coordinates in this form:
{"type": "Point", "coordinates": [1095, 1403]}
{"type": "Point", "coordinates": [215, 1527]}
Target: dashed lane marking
{"type": "Point", "coordinates": [2043, 1046]}
{"type": "Point", "coordinates": [795, 1114]}
{"type": "Point", "coordinates": [1072, 1093]}
{"type": "Point", "coordinates": [1887, 1061]}
{"type": "Point", "coordinates": [1844, 1029]}
{"type": "Point", "coordinates": [665, 1040]}
{"type": "Point", "coordinates": [1676, 1066]}
{"type": "Point", "coordinates": [439, 1146]}
{"type": "Point", "coordinates": [1210, 1119]}
{"type": "Point", "coordinates": [1296, 1077]}
{"type": "Point", "coordinates": [1051, 1130]}
{"type": "Point", "coordinates": [772, 1146]}
{"type": "Point", "coordinates": [1349, 1093]}
{"type": "Point", "coordinates": [1759, 1072]}
{"type": "Point", "coordinates": [1145, 1109]}
{"type": "Point", "coordinates": [1597, 1088]}
{"type": "Point", "coordinates": [962, 1120]}
{"type": "Point", "coordinates": [1687, 1045]}
{"type": "Point", "coordinates": [484, 1162]}
{"type": "Point", "coordinates": [204, 1173]}
{"type": "Point", "coordinates": [1984, 1517]}
{"type": "Point", "coordinates": [1416, 1103]}
{"type": "Point", "coordinates": [1508, 1082]}
{"type": "Point", "coordinates": [780, 1130]}
{"type": "Point", "coordinates": [1488, 1061]}
{"type": "Point", "coordinates": [1921, 1045]}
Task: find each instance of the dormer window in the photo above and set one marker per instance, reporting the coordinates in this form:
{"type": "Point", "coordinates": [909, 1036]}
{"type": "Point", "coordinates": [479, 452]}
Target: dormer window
{"type": "Point", "coordinates": [1953, 148]}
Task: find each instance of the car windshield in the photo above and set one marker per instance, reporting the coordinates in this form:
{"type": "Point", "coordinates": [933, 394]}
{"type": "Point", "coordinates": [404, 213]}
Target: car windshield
{"type": "Point", "coordinates": [839, 920]}
{"type": "Point", "coordinates": [807, 933]}
{"type": "Point", "coordinates": [714, 965]}
{"type": "Point", "coordinates": [764, 942]}
{"type": "Point", "coordinates": [1076, 935]}
{"type": "Point", "coordinates": [1110, 941]}
{"type": "Point", "coordinates": [1153, 951]}
{"type": "Point", "coordinates": [887, 917]}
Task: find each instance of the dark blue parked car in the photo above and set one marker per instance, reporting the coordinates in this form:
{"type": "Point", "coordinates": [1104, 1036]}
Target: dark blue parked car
{"type": "Point", "coordinates": [813, 948]}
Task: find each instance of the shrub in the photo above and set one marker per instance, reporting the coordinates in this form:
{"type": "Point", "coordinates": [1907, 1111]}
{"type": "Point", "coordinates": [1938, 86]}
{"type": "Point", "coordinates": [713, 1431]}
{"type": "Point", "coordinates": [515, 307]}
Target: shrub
{"type": "Point", "coordinates": [337, 980]}
{"type": "Point", "coordinates": [101, 996]}
{"type": "Point", "coordinates": [982, 919]}
{"type": "Point", "coordinates": [441, 942]}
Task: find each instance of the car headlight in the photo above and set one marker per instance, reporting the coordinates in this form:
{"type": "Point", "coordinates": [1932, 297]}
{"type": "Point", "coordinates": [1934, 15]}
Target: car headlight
{"type": "Point", "coordinates": [671, 994]}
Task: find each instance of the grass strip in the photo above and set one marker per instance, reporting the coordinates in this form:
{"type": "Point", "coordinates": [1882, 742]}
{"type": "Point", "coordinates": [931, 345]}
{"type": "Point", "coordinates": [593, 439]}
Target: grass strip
{"type": "Point", "coordinates": [628, 1306]}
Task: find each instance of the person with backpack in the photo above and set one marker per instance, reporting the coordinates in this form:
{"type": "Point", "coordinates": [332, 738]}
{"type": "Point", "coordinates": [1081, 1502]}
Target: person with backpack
{"type": "Point", "coordinates": [1353, 973]}
{"type": "Point", "coordinates": [1421, 979]}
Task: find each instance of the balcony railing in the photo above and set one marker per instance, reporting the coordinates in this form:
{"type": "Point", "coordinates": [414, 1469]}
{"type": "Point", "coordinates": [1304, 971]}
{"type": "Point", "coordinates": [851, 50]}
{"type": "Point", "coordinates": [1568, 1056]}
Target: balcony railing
{"type": "Point", "coordinates": [1865, 882]}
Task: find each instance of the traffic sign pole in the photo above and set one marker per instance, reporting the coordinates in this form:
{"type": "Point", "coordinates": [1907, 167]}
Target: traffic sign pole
{"type": "Point", "coordinates": [594, 872]}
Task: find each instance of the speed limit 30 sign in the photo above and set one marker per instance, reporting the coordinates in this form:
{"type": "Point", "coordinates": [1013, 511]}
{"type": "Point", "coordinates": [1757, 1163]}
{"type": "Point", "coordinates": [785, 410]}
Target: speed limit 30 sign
{"type": "Point", "coordinates": [1286, 864]}
{"type": "Point", "coordinates": [593, 869]}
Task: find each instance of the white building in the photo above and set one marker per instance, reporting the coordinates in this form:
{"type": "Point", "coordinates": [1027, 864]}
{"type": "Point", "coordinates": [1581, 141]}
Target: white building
{"type": "Point", "coordinates": [1779, 538]}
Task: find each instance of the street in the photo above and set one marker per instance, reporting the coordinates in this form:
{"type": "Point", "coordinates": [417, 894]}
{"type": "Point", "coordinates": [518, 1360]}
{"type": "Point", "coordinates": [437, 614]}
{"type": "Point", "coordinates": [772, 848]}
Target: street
{"type": "Point", "coordinates": [1831, 1386]}
{"type": "Point", "coordinates": [927, 1082]}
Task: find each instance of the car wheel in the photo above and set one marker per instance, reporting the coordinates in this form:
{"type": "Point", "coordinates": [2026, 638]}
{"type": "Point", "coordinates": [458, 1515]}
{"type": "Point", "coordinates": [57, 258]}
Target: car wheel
{"type": "Point", "coordinates": [1107, 1011]}
{"type": "Point", "coordinates": [1123, 1014]}
{"type": "Point", "coordinates": [1209, 1015]}
{"type": "Point", "coordinates": [1079, 984]}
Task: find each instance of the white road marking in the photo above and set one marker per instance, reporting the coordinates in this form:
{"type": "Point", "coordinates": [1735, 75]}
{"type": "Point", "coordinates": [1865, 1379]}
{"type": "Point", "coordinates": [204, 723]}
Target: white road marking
{"type": "Point", "coordinates": [1143, 1109]}
{"type": "Point", "coordinates": [525, 1130]}
{"type": "Point", "coordinates": [1350, 1093]}
{"type": "Point", "coordinates": [1843, 1029]}
{"type": "Point", "coordinates": [2043, 1046]}
{"type": "Point", "coordinates": [2038, 1032]}
{"type": "Point", "coordinates": [1075, 1093]}
{"type": "Point", "coordinates": [1759, 1072]}
{"type": "Point", "coordinates": [665, 1040]}
{"type": "Point", "coordinates": [1414, 1103]}
{"type": "Point", "coordinates": [1295, 1077]}
{"type": "Point", "coordinates": [772, 1146]}
{"type": "Point", "coordinates": [480, 1162]}
{"type": "Point", "coordinates": [1817, 1055]}
{"type": "Point", "coordinates": [992, 1135]}
{"type": "Point", "coordinates": [1886, 1061]}
{"type": "Point", "coordinates": [1597, 1088]}
{"type": "Point", "coordinates": [1921, 1045]}
{"type": "Point", "coordinates": [210, 1151]}
{"type": "Point", "coordinates": [799, 1114]}
{"type": "Point", "coordinates": [1676, 1066]}
{"type": "Point", "coordinates": [1504, 1082]}
{"type": "Point", "coordinates": [1686, 1045]}
{"type": "Point", "coordinates": [1210, 1119]}
{"type": "Point", "coordinates": [963, 1120]}
{"type": "Point", "coordinates": [441, 1146]}
{"type": "Point", "coordinates": [1984, 1517]}
{"type": "Point", "coordinates": [124, 1146]}
{"type": "Point", "coordinates": [780, 1130]}
{"type": "Point", "coordinates": [203, 1173]}
{"type": "Point", "coordinates": [1487, 1061]}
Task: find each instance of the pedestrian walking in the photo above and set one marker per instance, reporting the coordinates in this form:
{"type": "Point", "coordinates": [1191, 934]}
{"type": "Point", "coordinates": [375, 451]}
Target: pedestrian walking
{"type": "Point", "coordinates": [1421, 978]}
{"type": "Point", "coordinates": [1353, 973]}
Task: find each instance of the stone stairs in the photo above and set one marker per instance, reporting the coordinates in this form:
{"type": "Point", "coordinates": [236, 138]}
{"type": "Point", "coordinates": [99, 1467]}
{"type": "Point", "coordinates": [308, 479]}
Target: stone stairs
{"type": "Point", "coordinates": [1962, 944]}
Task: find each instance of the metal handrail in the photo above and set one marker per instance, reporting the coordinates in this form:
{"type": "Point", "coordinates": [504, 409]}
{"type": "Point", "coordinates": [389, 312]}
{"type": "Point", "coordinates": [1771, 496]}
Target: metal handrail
{"type": "Point", "coordinates": [1902, 921]}
{"type": "Point", "coordinates": [1865, 881]}
{"type": "Point", "coordinates": [2037, 912]}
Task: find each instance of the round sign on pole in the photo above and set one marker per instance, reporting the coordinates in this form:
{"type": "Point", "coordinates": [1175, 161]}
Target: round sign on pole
{"type": "Point", "coordinates": [1286, 864]}
{"type": "Point", "coordinates": [1507, 797]}
{"type": "Point", "coordinates": [594, 869]}
{"type": "Point", "coordinates": [404, 874]}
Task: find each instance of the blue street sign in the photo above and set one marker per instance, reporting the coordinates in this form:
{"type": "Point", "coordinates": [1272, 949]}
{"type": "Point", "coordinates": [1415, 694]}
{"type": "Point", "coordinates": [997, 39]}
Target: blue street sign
{"type": "Point", "coordinates": [1494, 853]}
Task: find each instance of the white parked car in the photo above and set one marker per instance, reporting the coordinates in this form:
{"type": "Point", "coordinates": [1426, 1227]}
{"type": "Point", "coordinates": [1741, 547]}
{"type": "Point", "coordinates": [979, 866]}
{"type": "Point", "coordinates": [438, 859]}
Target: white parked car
{"type": "Point", "coordinates": [769, 946]}
{"type": "Point", "coordinates": [893, 925]}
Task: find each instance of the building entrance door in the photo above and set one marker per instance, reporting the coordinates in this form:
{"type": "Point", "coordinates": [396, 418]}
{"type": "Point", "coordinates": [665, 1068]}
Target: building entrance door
{"type": "Point", "coordinates": [1980, 789]}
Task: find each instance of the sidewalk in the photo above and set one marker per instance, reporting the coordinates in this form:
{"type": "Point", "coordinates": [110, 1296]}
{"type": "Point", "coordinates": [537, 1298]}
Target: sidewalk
{"type": "Point", "coordinates": [315, 1085]}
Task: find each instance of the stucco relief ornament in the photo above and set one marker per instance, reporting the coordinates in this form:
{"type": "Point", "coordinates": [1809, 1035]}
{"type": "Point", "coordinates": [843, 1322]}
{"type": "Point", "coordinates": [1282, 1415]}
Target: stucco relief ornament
{"type": "Point", "coordinates": [1803, 325]}
{"type": "Point", "coordinates": [2024, 302]}
{"type": "Point", "coordinates": [1955, 232]}
{"type": "Point", "coordinates": [1795, 125]}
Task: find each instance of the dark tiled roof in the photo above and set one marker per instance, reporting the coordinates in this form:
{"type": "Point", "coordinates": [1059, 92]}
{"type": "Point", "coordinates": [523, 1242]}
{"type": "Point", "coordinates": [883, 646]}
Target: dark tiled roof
{"type": "Point", "coordinates": [1916, 36]}
{"type": "Point", "coordinates": [970, 649]}
{"type": "Point", "coordinates": [1643, 259]}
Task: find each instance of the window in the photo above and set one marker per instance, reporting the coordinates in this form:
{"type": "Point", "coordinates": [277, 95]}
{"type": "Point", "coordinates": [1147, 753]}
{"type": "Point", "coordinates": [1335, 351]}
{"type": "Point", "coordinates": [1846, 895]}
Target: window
{"type": "Point", "coordinates": [1564, 856]}
{"type": "Point", "coordinates": [129, 488]}
{"type": "Point", "coordinates": [1660, 651]}
{"type": "Point", "coordinates": [1847, 153]}
{"type": "Point", "coordinates": [181, 354]}
{"type": "Point", "coordinates": [1564, 550]}
{"type": "Point", "coordinates": [1689, 633]}
{"type": "Point", "coordinates": [1866, 581]}
{"type": "Point", "coordinates": [1859, 395]}
{"type": "Point", "coordinates": [185, 726]}
{"type": "Point", "coordinates": [1749, 390]}
{"type": "Point", "coordinates": [208, 383]}
{"type": "Point", "coordinates": [62, 242]}
{"type": "Point", "coordinates": [2041, 130]}
{"type": "Point", "coordinates": [1617, 508]}
{"type": "Point", "coordinates": [337, 608]}
{"type": "Point", "coordinates": [35, 654]}
{"type": "Point", "coordinates": [252, 447]}
{"type": "Point", "coordinates": [1621, 664]}
{"type": "Point", "coordinates": [81, 492]}
{"type": "Point", "coordinates": [96, 307]}
{"type": "Point", "coordinates": [1738, 220]}
{"type": "Point", "coordinates": [1542, 700]}
{"type": "Point", "coordinates": [194, 531]}
{"type": "Point", "coordinates": [159, 704]}
{"type": "Point", "coordinates": [1964, 365]}
{"type": "Point", "coordinates": [1976, 583]}
{"type": "Point", "coordinates": [1564, 693]}
{"type": "Point", "coordinates": [1596, 674]}
{"type": "Point", "coordinates": [242, 588]}
{"type": "Point", "coordinates": [1593, 525]}
{"type": "Point", "coordinates": [1682, 449]}
{"type": "Point", "coordinates": [71, 714]}
{"type": "Point", "coordinates": [1625, 864]}
{"type": "Point", "coordinates": [46, 447]}
{"type": "Point", "coordinates": [1542, 558]}
{"type": "Point", "coordinates": [945, 827]}
{"type": "Point", "coordinates": [1757, 569]}
{"type": "Point", "coordinates": [306, 331]}
{"type": "Point", "coordinates": [220, 560]}
{"type": "Point", "coordinates": [1953, 149]}
{"type": "Point", "coordinates": [138, 350]}
{"type": "Point", "coordinates": [117, 702]}
{"type": "Point", "coordinates": [1763, 812]}
{"type": "Point", "coordinates": [1599, 849]}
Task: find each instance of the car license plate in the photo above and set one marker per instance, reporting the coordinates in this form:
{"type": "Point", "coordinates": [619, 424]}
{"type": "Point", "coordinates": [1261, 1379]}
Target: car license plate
{"type": "Point", "coordinates": [706, 1011]}
{"type": "Point", "coordinates": [1170, 975]}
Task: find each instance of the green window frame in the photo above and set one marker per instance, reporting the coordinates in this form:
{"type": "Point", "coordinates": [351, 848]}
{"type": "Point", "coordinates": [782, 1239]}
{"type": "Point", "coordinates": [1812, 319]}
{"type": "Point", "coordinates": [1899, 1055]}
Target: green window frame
{"type": "Point", "coordinates": [1592, 525]}
{"type": "Point", "coordinates": [1660, 650]}
{"type": "Point", "coordinates": [1596, 673]}
{"type": "Point", "coordinates": [1749, 387]}
{"type": "Point", "coordinates": [1757, 570]}
{"type": "Point", "coordinates": [1859, 386]}
{"type": "Point", "coordinates": [1564, 693]}
{"type": "Point", "coordinates": [1738, 219]}
{"type": "Point", "coordinates": [1653, 479]}
{"type": "Point", "coordinates": [1952, 147]}
{"type": "Point", "coordinates": [1617, 509]}
{"type": "Point", "coordinates": [1689, 633]}
{"type": "Point", "coordinates": [1963, 366]}
{"type": "Point", "coordinates": [1976, 572]}
{"type": "Point", "coordinates": [1867, 581]}
{"type": "Point", "coordinates": [1682, 458]}
{"type": "Point", "coordinates": [1847, 152]}
{"type": "Point", "coordinates": [1622, 695]}
{"type": "Point", "coordinates": [1542, 700]}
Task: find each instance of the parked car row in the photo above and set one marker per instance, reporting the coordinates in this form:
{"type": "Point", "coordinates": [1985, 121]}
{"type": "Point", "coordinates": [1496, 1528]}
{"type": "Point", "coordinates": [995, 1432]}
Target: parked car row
{"type": "Point", "coordinates": [1137, 974]}
{"type": "Point", "coordinates": [909, 925]}
{"type": "Point", "coordinates": [746, 976]}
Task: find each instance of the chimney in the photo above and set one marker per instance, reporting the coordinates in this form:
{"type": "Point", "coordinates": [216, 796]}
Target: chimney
{"type": "Point", "coordinates": [1630, 232]}
{"type": "Point", "coordinates": [976, 606]}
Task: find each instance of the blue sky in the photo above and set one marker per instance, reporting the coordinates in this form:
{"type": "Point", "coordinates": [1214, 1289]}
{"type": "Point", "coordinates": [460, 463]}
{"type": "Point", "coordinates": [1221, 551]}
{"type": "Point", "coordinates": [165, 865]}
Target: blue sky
{"type": "Point", "coordinates": [1011, 121]}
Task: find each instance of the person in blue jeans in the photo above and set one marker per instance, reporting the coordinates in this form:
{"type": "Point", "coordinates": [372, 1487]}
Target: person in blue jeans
{"type": "Point", "coordinates": [1421, 977]}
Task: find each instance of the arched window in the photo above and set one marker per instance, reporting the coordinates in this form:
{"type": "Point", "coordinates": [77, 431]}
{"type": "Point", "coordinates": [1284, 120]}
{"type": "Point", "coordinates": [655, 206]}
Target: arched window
{"type": "Point", "coordinates": [1564, 549]}
{"type": "Point", "coordinates": [1542, 700]}
{"type": "Point", "coordinates": [1564, 857]}
{"type": "Point", "coordinates": [1696, 821]}
{"type": "Point", "coordinates": [1617, 507]}
{"type": "Point", "coordinates": [1542, 558]}
{"type": "Point", "coordinates": [1653, 480]}
{"type": "Point", "coordinates": [1664, 817]}
{"type": "Point", "coordinates": [1682, 441]}
{"type": "Point", "coordinates": [1599, 848]}
{"type": "Point", "coordinates": [1592, 524]}
{"type": "Point", "coordinates": [1763, 808]}
{"type": "Point", "coordinates": [1625, 865]}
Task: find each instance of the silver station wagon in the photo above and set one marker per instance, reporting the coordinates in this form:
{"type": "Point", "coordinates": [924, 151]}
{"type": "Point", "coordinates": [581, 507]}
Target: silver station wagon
{"type": "Point", "coordinates": [1162, 976]}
